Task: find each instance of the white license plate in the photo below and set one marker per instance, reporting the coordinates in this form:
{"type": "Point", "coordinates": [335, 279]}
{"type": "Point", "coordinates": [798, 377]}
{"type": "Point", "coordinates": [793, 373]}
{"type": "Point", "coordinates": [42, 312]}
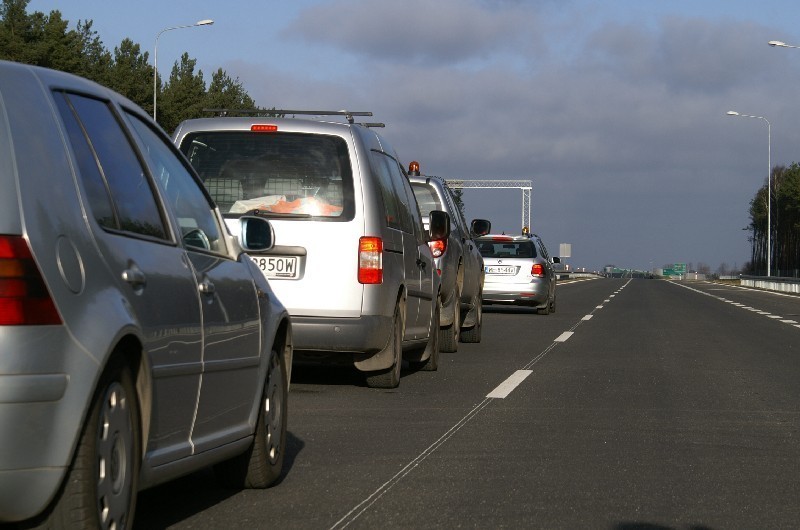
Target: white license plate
{"type": "Point", "coordinates": [278, 266]}
{"type": "Point", "coordinates": [500, 269]}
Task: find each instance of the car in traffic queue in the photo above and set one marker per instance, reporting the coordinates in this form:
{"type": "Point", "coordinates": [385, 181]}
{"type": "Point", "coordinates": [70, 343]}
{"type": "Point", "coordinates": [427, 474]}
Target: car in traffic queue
{"type": "Point", "coordinates": [458, 260]}
{"type": "Point", "coordinates": [352, 262]}
{"type": "Point", "coordinates": [138, 342]}
{"type": "Point", "coordinates": [519, 271]}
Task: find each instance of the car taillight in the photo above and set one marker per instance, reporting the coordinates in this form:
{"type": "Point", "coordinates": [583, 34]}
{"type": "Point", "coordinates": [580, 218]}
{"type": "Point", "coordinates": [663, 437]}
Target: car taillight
{"type": "Point", "coordinates": [437, 247]}
{"type": "Point", "coordinates": [537, 270]}
{"type": "Point", "coordinates": [24, 298]}
{"type": "Point", "coordinates": [370, 260]}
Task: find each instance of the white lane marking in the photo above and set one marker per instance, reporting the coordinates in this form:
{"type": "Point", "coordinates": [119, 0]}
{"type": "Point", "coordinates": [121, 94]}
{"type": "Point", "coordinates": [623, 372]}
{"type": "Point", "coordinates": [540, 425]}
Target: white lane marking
{"type": "Point", "coordinates": [606, 300]}
{"type": "Point", "coordinates": [587, 317]}
{"type": "Point", "coordinates": [564, 337]}
{"type": "Point", "coordinates": [506, 387]}
{"type": "Point", "coordinates": [748, 308]}
{"type": "Point", "coordinates": [599, 307]}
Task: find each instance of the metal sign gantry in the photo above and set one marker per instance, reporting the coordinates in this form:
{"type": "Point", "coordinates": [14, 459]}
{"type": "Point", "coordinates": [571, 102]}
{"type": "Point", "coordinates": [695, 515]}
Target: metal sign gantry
{"type": "Point", "coordinates": [525, 185]}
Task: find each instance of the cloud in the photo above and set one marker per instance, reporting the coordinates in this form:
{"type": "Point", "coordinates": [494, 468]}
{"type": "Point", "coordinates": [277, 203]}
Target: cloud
{"type": "Point", "coordinates": [415, 31]}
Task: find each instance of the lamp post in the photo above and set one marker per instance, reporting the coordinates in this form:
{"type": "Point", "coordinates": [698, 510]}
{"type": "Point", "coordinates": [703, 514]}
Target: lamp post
{"type": "Point", "coordinates": [769, 183]}
{"type": "Point", "coordinates": [206, 22]}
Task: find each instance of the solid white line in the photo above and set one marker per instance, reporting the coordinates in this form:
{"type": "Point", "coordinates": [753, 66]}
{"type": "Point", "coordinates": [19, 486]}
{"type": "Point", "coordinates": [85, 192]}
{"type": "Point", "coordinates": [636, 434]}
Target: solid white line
{"type": "Point", "coordinates": [564, 336]}
{"type": "Point", "coordinates": [506, 387]}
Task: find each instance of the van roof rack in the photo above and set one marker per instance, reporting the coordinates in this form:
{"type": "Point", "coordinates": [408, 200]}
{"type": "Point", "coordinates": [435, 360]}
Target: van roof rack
{"type": "Point", "coordinates": [283, 112]}
{"type": "Point", "coordinates": [371, 124]}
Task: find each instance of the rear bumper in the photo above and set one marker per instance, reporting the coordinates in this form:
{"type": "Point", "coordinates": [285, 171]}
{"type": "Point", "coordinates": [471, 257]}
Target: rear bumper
{"type": "Point", "coordinates": [364, 335]}
{"type": "Point", "coordinates": [518, 294]}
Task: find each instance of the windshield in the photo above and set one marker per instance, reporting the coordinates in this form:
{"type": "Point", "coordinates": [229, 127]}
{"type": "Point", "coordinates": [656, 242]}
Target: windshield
{"type": "Point", "coordinates": [506, 249]}
{"type": "Point", "coordinates": [280, 173]}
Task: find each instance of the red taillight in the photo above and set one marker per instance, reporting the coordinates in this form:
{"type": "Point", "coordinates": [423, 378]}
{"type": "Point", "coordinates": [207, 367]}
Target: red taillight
{"type": "Point", "coordinates": [537, 270]}
{"type": "Point", "coordinates": [24, 298]}
{"type": "Point", "coordinates": [260, 127]}
{"type": "Point", "coordinates": [438, 247]}
{"type": "Point", "coordinates": [370, 260]}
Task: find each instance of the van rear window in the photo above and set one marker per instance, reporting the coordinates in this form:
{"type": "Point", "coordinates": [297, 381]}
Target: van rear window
{"type": "Point", "coordinates": [294, 174]}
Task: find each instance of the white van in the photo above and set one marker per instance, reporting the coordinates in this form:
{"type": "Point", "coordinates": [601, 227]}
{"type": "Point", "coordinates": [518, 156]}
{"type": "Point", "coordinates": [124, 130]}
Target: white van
{"type": "Point", "coordinates": [351, 261]}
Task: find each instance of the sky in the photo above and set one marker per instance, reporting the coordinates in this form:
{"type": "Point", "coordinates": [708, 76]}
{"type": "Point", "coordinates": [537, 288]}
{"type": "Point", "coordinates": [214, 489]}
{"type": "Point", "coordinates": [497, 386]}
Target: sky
{"type": "Point", "coordinates": [614, 110]}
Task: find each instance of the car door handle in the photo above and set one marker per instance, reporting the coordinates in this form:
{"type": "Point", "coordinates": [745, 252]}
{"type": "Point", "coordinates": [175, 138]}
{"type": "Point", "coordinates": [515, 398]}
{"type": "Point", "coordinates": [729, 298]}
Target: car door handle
{"type": "Point", "coordinates": [134, 276]}
{"type": "Point", "coordinates": [206, 287]}
{"type": "Point", "coordinates": [420, 264]}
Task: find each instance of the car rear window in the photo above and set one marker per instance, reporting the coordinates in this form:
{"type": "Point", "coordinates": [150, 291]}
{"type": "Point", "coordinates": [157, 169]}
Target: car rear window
{"type": "Point", "coordinates": [427, 198]}
{"type": "Point", "coordinates": [506, 249]}
{"type": "Point", "coordinates": [294, 174]}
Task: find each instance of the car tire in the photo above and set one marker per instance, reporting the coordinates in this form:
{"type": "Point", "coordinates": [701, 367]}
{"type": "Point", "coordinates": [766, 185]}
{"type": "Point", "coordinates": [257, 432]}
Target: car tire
{"type": "Point", "coordinates": [431, 364]}
{"type": "Point", "coordinates": [449, 336]}
{"type": "Point", "coordinates": [553, 305]}
{"type": "Point", "coordinates": [260, 466]}
{"type": "Point", "coordinates": [390, 378]}
{"type": "Point", "coordinates": [545, 310]}
{"type": "Point", "coordinates": [100, 487]}
{"type": "Point", "coordinates": [473, 334]}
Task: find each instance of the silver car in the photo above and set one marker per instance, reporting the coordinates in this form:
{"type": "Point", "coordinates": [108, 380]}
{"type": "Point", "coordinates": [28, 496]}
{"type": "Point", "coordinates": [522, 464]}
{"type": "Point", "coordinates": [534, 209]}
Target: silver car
{"type": "Point", "coordinates": [138, 342]}
{"type": "Point", "coordinates": [351, 261]}
{"type": "Point", "coordinates": [458, 260]}
{"type": "Point", "coordinates": [518, 271]}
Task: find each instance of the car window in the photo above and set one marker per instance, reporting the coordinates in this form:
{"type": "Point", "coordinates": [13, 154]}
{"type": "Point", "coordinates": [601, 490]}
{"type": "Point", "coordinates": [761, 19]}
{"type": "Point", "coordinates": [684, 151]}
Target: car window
{"type": "Point", "coordinates": [120, 195]}
{"type": "Point", "coordinates": [394, 196]}
{"type": "Point", "coordinates": [427, 198]}
{"type": "Point", "coordinates": [199, 226]}
{"type": "Point", "coordinates": [283, 173]}
{"type": "Point", "coordinates": [506, 249]}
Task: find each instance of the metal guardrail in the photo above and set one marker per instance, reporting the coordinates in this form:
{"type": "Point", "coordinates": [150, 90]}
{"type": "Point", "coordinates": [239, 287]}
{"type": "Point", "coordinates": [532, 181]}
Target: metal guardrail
{"type": "Point", "coordinates": [772, 283]}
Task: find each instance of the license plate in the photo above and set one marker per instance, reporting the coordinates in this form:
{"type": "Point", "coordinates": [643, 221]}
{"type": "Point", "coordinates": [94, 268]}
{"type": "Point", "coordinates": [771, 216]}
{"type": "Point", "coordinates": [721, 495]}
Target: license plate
{"type": "Point", "coordinates": [501, 269]}
{"type": "Point", "coordinates": [278, 266]}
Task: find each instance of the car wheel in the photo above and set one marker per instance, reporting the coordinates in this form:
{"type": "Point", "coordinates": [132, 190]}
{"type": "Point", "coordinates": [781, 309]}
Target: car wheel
{"type": "Point", "coordinates": [545, 310]}
{"type": "Point", "coordinates": [449, 336]}
{"type": "Point", "coordinates": [473, 334]}
{"type": "Point", "coordinates": [390, 378]}
{"type": "Point", "coordinates": [553, 305]}
{"type": "Point", "coordinates": [101, 484]}
{"type": "Point", "coordinates": [432, 363]}
{"type": "Point", "coordinates": [260, 466]}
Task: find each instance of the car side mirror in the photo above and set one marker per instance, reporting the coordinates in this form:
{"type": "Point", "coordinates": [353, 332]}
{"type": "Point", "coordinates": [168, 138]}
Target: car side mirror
{"type": "Point", "coordinates": [439, 225]}
{"type": "Point", "coordinates": [255, 233]}
{"type": "Point", "coordinates": [556, 259]}
{"type": "Point", "coordinates": [480, 227]}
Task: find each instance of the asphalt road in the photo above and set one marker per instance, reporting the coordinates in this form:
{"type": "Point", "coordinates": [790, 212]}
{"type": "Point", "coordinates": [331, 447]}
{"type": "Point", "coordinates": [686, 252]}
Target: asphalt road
{"type": "Point", "coordinates": [638, 404]}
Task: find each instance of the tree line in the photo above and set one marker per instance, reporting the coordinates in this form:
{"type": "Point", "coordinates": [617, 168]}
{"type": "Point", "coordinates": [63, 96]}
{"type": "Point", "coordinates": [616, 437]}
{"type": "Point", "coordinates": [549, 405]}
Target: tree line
{"type": "Point", "coordinates": [47, 40]}
{"type": "Point", "coordinates": [784, 225]}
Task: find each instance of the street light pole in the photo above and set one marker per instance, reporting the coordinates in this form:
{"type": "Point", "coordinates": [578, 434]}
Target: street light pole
{"type": "Point", "coordinates": [206, 22]}
{"type": "Point", "coordinates": [769, 182]}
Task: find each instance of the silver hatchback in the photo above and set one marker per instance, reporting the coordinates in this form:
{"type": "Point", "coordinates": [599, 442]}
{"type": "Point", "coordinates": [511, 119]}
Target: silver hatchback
{"type": "Point", "coordinates": [518, 271]}
{"type": "Point", "coordinates": [138, 342]}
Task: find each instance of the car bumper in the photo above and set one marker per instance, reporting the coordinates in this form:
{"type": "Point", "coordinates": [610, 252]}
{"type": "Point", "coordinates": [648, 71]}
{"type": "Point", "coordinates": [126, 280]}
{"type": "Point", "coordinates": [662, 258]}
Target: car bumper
{"type": "Point", "coordinates": [360, 335]}
{"type": "Point", "coordinates": [41, 414]}
{"type": "Point", "coordinates": [518, 294]}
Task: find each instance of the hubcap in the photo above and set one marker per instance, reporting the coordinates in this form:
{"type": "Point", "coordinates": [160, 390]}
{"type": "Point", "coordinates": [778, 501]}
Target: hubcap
{"type": "Point", "coordinates": [114, 453]}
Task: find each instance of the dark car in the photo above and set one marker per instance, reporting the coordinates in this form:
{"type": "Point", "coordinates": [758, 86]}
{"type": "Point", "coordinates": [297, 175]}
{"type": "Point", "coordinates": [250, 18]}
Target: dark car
{"type": "Point", "coordinates": [459, 261]}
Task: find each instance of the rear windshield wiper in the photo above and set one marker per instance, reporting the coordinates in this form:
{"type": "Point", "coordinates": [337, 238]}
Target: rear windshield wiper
{"type": "Point", "coordinates": [268, 214]}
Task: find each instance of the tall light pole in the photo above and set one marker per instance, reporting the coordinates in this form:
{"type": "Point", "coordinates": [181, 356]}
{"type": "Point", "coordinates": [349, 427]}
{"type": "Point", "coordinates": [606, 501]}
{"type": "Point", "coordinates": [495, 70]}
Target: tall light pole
{"type": "Point", "coordinates": [769, 185]}
{"type": "Point", "coordinates": [206, 22]}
